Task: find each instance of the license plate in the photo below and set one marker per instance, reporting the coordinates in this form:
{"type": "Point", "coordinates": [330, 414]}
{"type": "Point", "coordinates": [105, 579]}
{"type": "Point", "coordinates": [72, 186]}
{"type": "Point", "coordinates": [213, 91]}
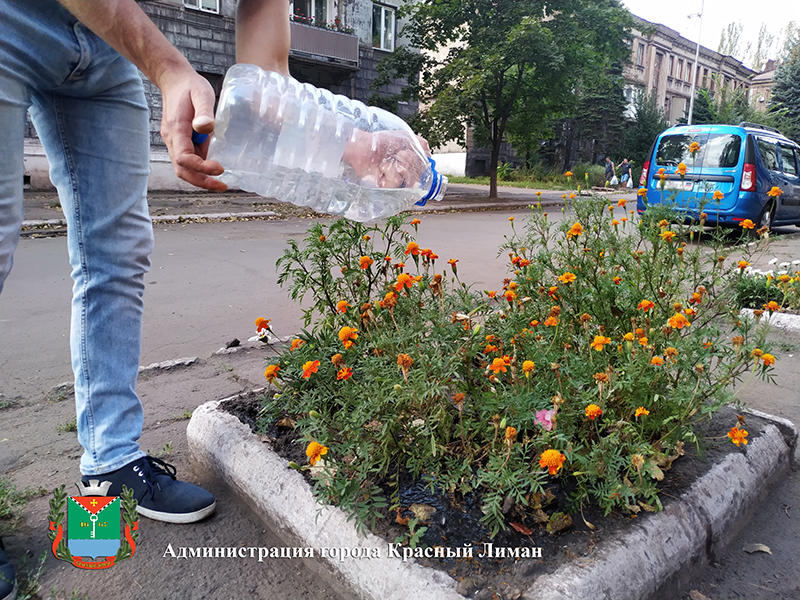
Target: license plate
{"type": "Point", "coordinates": [706, 187]}
{"type": "Point", "coordinates": [675, 184]}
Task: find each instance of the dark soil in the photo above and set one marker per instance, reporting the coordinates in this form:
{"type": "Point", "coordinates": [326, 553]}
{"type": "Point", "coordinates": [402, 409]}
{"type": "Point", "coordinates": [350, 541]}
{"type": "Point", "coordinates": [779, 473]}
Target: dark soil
{"type": "Point", "coordinates": [456, 522]}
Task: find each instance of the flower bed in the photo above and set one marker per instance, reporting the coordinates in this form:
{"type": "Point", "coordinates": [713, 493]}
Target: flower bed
{"type": "Point", "coordinates": [603, 349]}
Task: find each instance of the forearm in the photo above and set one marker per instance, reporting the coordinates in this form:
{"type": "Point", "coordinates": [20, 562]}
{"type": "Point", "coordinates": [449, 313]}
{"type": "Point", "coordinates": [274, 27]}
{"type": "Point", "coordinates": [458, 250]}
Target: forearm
{"type": "Point", "coordinates": [262, 34]}
{"type": "Point", "coordinates": [126, 28]}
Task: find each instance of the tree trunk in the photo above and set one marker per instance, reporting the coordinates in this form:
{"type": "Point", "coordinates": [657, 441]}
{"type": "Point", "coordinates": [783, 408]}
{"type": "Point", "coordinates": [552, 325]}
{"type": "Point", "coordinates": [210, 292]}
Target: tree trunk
{"type": "Point", "coordinates": [493, 168]}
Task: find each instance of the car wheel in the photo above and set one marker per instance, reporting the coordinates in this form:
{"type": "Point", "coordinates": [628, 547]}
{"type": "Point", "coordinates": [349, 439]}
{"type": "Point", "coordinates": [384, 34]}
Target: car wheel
{"type": "Point", "coordinates": [767, 216]}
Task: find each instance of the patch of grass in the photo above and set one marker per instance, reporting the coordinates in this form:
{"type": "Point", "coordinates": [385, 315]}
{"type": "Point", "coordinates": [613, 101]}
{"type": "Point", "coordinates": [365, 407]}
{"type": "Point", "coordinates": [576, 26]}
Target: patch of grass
{"type": "Point", "coordinates": [69, 426]}
{"type": "Point", "coordinates": [29, 578]}
{"type": "Point", "coordinates": [7, 403]}
{"type": "Point", "coordinates": [167, 449]}
{"type": "Point", "coordinates": [186, 415]}
{"type": "Point", "coordinates": [787, 346]}
{"type": "Point", "coordinates": [12, 501]}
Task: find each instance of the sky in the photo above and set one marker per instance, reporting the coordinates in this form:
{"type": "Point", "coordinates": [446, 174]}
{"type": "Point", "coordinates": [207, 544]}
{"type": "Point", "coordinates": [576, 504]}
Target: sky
{"type": "Point", "coordinates": [717, 14]}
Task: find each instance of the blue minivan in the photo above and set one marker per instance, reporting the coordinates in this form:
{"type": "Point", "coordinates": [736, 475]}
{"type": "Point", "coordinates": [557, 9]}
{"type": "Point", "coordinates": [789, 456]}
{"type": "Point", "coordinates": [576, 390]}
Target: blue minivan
{"type": "Point", "coordinates": [741, 162]}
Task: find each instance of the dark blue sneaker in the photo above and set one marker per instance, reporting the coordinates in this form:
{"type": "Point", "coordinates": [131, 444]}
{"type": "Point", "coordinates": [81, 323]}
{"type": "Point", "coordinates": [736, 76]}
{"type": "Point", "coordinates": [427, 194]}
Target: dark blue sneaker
{"type": "Point", "coordinates": [8, 579]}
{"type": "Point", "coordinates": [160, 495]}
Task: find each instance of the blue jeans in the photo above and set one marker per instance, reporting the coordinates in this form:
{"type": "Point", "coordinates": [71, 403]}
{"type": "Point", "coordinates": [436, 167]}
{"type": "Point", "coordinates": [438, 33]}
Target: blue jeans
{"type": "Point", "coordinates": [88, 105]}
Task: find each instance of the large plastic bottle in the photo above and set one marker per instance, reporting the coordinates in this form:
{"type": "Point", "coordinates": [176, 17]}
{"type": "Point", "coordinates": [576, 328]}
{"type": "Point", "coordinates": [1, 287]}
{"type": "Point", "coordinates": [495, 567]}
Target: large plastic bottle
{"type": "Point", "coordinates": [291, 141]}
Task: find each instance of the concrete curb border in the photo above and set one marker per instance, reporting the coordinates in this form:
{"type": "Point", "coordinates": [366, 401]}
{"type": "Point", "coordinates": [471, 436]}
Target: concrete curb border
{"type": "Point", "coordinates": [785, 321]}
{"type": "Point", "coordinates": [655, 558]}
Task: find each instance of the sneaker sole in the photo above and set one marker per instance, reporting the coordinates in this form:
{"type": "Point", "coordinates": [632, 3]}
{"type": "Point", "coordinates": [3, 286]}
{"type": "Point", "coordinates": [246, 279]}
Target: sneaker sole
{"type": "Point", "coordinates": [13, 594]}
{"type": "Point", "coordinates": [166, 517]}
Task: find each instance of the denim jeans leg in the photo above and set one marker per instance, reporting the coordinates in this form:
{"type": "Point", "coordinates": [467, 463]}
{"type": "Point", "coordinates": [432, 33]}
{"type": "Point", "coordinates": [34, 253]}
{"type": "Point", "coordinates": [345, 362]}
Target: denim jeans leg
{"type": "Point", "coordinates": [92, 119]}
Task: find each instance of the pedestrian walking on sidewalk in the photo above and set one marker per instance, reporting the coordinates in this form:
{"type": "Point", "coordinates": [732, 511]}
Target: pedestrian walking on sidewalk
{"type": "Point", "coordinates": [74, 65]}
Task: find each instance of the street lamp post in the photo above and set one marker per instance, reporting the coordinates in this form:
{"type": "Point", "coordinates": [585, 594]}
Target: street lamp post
{"type": "Point", "coordinates": [696, 58]}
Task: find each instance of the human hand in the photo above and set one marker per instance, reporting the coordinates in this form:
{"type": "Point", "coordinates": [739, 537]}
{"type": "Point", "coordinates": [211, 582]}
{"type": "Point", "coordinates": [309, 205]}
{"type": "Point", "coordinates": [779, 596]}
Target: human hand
{"type": "Point", "coordinates": [188, 104]}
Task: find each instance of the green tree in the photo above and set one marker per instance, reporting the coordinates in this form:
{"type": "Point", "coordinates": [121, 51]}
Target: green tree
{"type": "Point", "coordinates": [731, 43]}
{"type": "Point", "coordinates": [642, 131]}
{"type": "Point", "coordinates": [503, 69]}
{"type": "Point", "coordinates": [704, 110]}
{"type": "Point", "coordinates": [601, 111]}
{"type": "Point", "coordinates": [786, 95]}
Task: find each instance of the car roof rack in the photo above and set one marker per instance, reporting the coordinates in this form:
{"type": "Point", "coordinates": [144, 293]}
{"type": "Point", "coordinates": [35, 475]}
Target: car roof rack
{"type": "Point", "coordinates": [759, 126]}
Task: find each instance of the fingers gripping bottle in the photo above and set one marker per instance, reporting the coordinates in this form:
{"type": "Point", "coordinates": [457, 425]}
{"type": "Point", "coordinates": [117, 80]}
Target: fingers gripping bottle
{"type": "Point", "coordinates": [296, 143]}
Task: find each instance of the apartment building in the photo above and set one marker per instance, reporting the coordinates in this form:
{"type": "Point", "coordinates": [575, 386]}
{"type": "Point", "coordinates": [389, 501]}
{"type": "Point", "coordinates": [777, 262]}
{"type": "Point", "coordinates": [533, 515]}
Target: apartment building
{"type": "Point", "coordinates": [335, 44]}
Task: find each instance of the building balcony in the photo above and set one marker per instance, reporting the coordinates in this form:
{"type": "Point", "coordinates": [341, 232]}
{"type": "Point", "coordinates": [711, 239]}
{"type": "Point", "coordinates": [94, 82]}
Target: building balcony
{"type": "Point", "coordinates": [319, 45]}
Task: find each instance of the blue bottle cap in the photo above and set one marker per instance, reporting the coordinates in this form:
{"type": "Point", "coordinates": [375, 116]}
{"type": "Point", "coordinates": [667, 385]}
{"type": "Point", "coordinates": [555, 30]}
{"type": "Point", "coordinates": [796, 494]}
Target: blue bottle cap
{"type": "Point", "coordinates": [199, 138]}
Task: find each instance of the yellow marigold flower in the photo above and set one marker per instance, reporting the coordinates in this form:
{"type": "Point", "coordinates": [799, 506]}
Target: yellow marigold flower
{"type": "Point", "coordinates": [671, 351]}
{"type": "Point", "coordinates": [342, 306]}
{"type": "Point", "coordinates": [768, 359]}
{"type": "Point", "coordinates": [742, 264]}
{"type": "Point", "coordinates": [415, 221]}
{"type": "Point", "coordinates": [567, 277]}
{"type": "Point", "coordinates": [272, 373]}
{"type": "Point", "coordinates": [775, 192]}
{"type": "Point", "coordinates": [694, 148]}
{"type": "Point", "coordinates": [622, 202]}
{"type": "Point", "coordinates": [641, 411]}
{"type": "Point", "coordinates": [772, 306]}
{"type": "Point", "coordinates": [668, 236]}
{"type": "Point", "coordinates": [681, 169]}
{"type": "Point", "coordinates": [656, 360]}
{"type": "Point", "coordinates": [365, 262]}
{"type": "Point", "coordinates": [315, 451]}
{"type": "Point", "coordinates": [737, 436]}
{"type": "Point", "coordinates": [628, 337]}
{"type": "Point", "coordinates": [553, 460]}
{"type": "Point", "coordinates": [678, 321]}
{"type": "Point", "coordinates": [344, 374]}
{"type": "Point", "coordinates": [511, 433]}
{"type": "Point", "coordinates": [527, 367]}
{"type": "Point", "coordinates": [568, 174]}
{"type": "Point", "coordinates": [643, 341]}
{"type": "Point", "coordinates": [757, 353]}
{"type": "Point", "coordinates": [718, 195]}
{"type": "Point", "coordinates": [348, 335]}
{"type": "Point", "coordinates": [614, 222]}
{"type": "Point", "coordinates": [296, 343]}
{"type": "Point", "coordinates": [642, 191]}
{"type": "Point", "coordinates": [645, 305]}
{"type": "Point", "coordinates": [599, 341]}
{"type": "Point", "coordinates": [784, 278]}
{"type": "Point", "coordinates": [747, 224]}
{"type": "Point", "coordinates": [498, 365]}
{"type": "Point", "coordinates": [404, 279]}
{"type": "Point", "coordinates": [309, 368]}
{"type": "Point", "coordinates": [412, 248]}
{"type": "Point", "coordinates": [405, 361]}
{"type": "Point", "coordinates": [689, 312]}
{"type": "Point", "coordinates": [575, 230]}
{"type": "Point", "coordinates": [593, 411]}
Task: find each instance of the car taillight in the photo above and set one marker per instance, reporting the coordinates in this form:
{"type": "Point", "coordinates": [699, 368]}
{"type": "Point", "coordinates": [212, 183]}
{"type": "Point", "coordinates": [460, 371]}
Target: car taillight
{"type": "Point", "coordinates": [645, 169]}
{"type": "Point", "coordinates": [748, 178]}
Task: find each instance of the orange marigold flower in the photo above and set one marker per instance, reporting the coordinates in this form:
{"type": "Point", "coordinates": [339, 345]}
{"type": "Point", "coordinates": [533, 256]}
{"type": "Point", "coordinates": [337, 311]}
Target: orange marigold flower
{"type": "Point", "coordinates": [553, 460]}
{"type": "Point", "coordinates": [296, 343]}
{"type": "Point", "coordinates": [617, 280]}
{"type": "Point", "coordinates": [678, 321]}
{"type": "Point", "coordinates": [668, 236]}
{"type": "Point", "coordinates": [643, 341]}
{"type": "Point", "coordinates": [412, 248]}
{"type": "Point", "coordinates": [365, 262]}
{"type": "Point", "coordinates": [315, 451]}
{"type": "Point", "coordinates": [642, 191]}
{"type": "Point", "coordinates": [645, 305]}
{"type": "Point", "coordinates": [405, 361]}
{"type": "Point", "coordinates": [593, 411]}
{"type": "Point", "coordinates": [747, 224]}
{"type": "Point", "coordinates": [575, 230]}
{"type": "Point", "coordinates": [718, 195]}
{"type": "Point", "coordinates": [348, 335]}
{"type": "Point", "coordinates": [656, 360]}
{"type": "Point", "coordinates": [768, 359]}
{"type": "Point", "coordinates": [507, 358]}
{"type": "Point", "coordinates": [342, 306]}
{"type": "Point", "coordinates": [694, 148]}
{"type": "Point", "coordinates": [415, 221]}
{"type": "Point", "coordinates": [737, 436]}
{"type": "Point", "coordinates": [272, 373]}
{"type": "Point", "coordinates": [491, 293]}
{"type": "Point", "coordinates": [599, 342]}
{"type": "Point", "coordinates": [567, 277]}
{"type": "Point", "coordinates": [262, 324]}
{"type": "Point", "coordinates": [389, 300]}
{"type": "Point", "coordinates": [641, 411]}
{"type": "Point", "coordinates": [601, 377]}
{"type": "Point", "coordinates": [551, 321]}
{"type": "Point", "coordinates": [681, 169]}
{"type": "Point", "coordinates": [772, 305]}
{"type": "Point", "coordinates": [490, 348]}
{"type": "Point", "coordinates": [742, 264]}
{"type": "Point", "coordinates": [404, 279]}
{"type": "Point", "coordinates": [757, 353]}
{"type": "Point", "coordinates": [310, 367]}
{"type": "Point", "coordinates": [498, 365]}
{"type": "Point", "coordinates": [510, 295]}
{"type": "Point", "coordinates": [622, 202]}
{"type": "Point", "coordinates": [614, 222]}
{"type": "Point", "coordinates": [671, 351]}
{"type": "Point", "coordinates": [344, 374]}
{"type": "Point", "coordinates": [322, 238]}
{"type": "Point", "coordinates": [784, 278]}
{"type": "Point", "coordinates": [511, 433]}
{"type": "Point", "coordinates": [628, 337]}
{"type": "Point", "coordinates": [568, 174]}
{"type": "Point", "coordinates": [527, 367]}
{"type": "Point", "coordinates": [337, 360]}
{"type": "Point", "coordinates": [775, 192]}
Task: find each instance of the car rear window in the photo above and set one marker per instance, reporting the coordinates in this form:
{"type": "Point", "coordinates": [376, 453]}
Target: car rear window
{"type": "Point", "coordinates": [769, 154]}
{"type": "Point", "coordinates": [717, 150]}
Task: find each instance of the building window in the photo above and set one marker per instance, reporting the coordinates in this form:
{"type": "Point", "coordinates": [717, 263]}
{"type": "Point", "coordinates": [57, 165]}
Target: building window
{"type": "Point", "coordinates": [310, 11]}
{"type": "Point", "coordinates": [671, 69]}
{"type": "Point", "coordinates": [211, 6]}
{"type": "Point", "coordinates": [383, 22]}
{"type": "Point", "coordinates": [640, 55]}
{"type": "Point", "coordinates": [680, 69]}
{"type": "Point", "coordinates": [688, 71]}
